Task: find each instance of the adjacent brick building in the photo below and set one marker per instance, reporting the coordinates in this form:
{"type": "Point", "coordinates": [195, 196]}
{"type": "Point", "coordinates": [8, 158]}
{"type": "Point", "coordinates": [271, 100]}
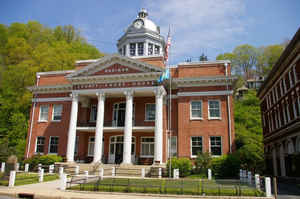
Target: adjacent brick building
{"type": "Point", "coordinates": [280, 107]}
{"type": "Point", "coordinates": [114, 110]}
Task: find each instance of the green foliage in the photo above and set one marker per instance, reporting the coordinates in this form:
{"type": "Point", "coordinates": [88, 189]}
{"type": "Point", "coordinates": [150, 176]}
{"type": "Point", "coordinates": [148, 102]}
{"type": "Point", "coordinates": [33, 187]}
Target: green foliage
{"type": "Point", "coordinates": [203, 162]}
{"type": "Point", "coordinates": [246, 59]}
{"type": "Point", "coordinates": [226, 166]}
{"type": "Point", "coordinates": [248, 131]}
{"type": "Point", "coordinates": [24, 50]}
{"type": "Point", "coordinates": [42, 159]}
{"type": "Point", "coordinates": [183, 164]}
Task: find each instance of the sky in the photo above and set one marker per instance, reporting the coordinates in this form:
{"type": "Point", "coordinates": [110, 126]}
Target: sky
{"type": "Point", "coordinates": [197, 26]}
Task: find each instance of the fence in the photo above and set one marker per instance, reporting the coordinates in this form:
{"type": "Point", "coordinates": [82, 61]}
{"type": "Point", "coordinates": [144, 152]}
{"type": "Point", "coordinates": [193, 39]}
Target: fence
{"type": "Point", "coordinates": [163, 186]}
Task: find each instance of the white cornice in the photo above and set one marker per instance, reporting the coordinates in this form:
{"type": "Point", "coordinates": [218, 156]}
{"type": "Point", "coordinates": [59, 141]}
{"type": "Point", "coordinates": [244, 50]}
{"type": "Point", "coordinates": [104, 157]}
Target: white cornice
{"type": "Point", "coordinates": [119, 90]}
{"type": "Point", "coordinates": [54, 99]}
{"type": "Point", "coordinates": [51, 89]}
{"type": "Point", "coordinates": [204, 81]}
{"type": "Point", "coordinates": [130, 77]}
{"type": "Point", "coordinates": [186, 64]}
{"type": "Point", "coordinates": [55, 72]}
{"type": "Point", "coordinates": [206, 93]}
{"type": "Point", "coordinates": [108, 60]}
{"type": "Point", "coordinates": [87, 61]}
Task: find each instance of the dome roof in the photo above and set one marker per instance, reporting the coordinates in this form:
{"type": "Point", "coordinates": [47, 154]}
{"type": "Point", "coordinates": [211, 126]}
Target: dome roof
{"type": "Point", "coordinates": [148, 24]}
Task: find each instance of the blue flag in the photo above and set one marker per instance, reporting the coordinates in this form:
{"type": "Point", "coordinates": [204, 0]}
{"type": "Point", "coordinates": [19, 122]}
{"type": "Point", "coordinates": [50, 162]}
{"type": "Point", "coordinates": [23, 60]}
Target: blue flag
{"type": "Point", "coordinates": [164, 76]}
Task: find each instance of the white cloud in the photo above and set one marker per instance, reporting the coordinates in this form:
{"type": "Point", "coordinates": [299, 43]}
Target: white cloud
{"type": "Point", "coordinates": [198, 25]}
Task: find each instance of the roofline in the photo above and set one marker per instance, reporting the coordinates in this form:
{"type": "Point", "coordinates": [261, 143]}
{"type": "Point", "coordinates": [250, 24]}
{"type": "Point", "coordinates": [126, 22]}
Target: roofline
{"type": "Point", "coordinates": [59, 72]}
{"type": "Point", "coordinates": [86, 61]}
{"type": "Point", "coordinates": [204, 62]}
{"type": "Point", "coordinates": [281, 59]}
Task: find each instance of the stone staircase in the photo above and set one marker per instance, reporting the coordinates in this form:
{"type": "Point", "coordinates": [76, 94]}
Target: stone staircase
{"type": "Point", "coordinates": [120, 170]}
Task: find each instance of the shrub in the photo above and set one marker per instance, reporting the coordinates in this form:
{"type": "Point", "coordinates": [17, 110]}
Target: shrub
{"type": "Point", "coordinates": [42, 159]}
{"type": "Point", "coordinates": [183, 164]}
{"type": "Point", "coordinates": [203, 162]}
{"type": "Point", "coordinates": [226, 166]}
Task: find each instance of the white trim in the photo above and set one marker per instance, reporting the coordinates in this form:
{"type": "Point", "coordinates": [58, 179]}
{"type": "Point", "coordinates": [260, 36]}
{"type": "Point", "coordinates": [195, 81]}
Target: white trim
{"type": "Point", "coordinates": [87, 61]}
{"type": "Point", "coordinates": [54, 99]}
{"type": "Point", "coordinates": [45, 105]}
{"type": "Point", "coordinates": [59, 72]}
{"type": "Point", "coordinates": [119, 90]}
{"type": "Point", "coordinates": [191, 115]}
{"type": "Point", "coordinates": [191, 145]}
{"type": "Point", "coordinates": [220, 111]}
{"type": "Point", "coordinates": [50, 144]}
{"type": "Point", "coordinates": [36, 140]}
{"type": "Point", "coordinates": [147, 120]}
{"type": "Point", "coordinates": [147, 156]}
{"type": "Point", "coordinates": [203, 63]}
{"type": "Point", "coordinates": [209, 148]}
{"type": "Point", "coordinates": [52, 118]}
{"type": "Point", "coordinates": [207, 93]}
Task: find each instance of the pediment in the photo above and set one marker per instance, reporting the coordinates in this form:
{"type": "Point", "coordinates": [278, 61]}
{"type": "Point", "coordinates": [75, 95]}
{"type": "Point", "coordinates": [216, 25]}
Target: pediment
{"type": "Point", "coordinates": [114, 65]}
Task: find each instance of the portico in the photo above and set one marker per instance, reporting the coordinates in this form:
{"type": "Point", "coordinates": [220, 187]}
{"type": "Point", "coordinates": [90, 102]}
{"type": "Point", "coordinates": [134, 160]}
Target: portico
{"type": "Point", "coordinates": [129, 93]}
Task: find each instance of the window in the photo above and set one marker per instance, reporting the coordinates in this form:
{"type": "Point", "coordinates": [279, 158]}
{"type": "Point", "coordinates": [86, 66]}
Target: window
{"type": "Point", "coordinates": [284, 85]}
{"type": "Point", "coordinates": [120, 51]}
{"type": "Point", "coordinates": [132, 49]}
{"type": "Point", "coordinates": [196, 110]}
{"type": "Point", "coordinates": [93, 115]}
{"type": "Point", "coordinates": [196, 145]}
{"type": "Point", "coordinates": [40, 143]}
{"type": "Point", "coordinates": [53, 145]}
{"type": "Point", "coordinates": [57, 112]}
{"type": "Point", "coordinates": [76, 145]}
{"type": "Point", "coordinates": [281, 90]}
{"type": "Point", "coordinates": [216, 145]}
{"type": "Point", "coordinates": [288, 112]}
{"type": "Point", "coordinates": [91, 146]}
{"type": "Point", "coordinates": [156, 50]}
{"type": "Point", "coordinates": [147, 146]}
{"type": "Point", "coordinates": [43, 113]}
{"type": "Point", "coordinates": [214, 109]}
{"type": "Point", "coordinates": [150, 49]}
{"type": "Point", "coordinates": [150, 112]}
{"type": "Point", "coordinates": [291, 80]}
{"type": "Point", "coordinates": [141, 48]}
{"type": "Point", "coordinates": [284, 116]}
{"type": "Point", "coordinates": [173, 149]}
{"type": "Point", "coordinates": [124, 50]}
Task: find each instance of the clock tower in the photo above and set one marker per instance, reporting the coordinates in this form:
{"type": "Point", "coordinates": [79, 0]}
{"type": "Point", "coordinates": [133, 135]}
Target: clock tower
{"type": "Point", "coordinates": [142, 38]}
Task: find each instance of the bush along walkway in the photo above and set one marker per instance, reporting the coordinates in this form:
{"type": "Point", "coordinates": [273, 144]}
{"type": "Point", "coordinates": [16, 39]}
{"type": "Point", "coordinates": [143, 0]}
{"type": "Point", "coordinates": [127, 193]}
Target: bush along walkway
{"type": "Point", "coordinates": [165, 186]}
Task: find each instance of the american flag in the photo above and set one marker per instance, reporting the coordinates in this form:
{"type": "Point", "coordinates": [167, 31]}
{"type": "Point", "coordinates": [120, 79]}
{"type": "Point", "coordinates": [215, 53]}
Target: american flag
{"type": "Point", "coordinates": [168, 46]}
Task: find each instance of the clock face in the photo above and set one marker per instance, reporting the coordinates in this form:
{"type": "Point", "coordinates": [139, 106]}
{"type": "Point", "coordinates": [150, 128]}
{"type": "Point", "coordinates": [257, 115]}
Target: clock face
{"type": "Point", "coordinates": [138, 24]}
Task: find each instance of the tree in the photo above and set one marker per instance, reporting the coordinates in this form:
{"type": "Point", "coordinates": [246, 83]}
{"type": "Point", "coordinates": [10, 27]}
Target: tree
{"type": "Point", "coordinates": [24, 50]}
{"type": "Point", "coordinates": [267, 58]}
{"type": "Point", "coordinates": [249, 138]}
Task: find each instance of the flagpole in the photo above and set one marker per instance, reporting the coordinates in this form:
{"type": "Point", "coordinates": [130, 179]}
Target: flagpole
{"type": "Point", "coordinates": [169, 135]}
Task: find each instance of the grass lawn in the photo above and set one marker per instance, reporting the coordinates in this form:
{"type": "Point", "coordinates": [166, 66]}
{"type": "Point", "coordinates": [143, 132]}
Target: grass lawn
{"type": "Point", "coordinates": [28, 178]}
{"type": "Point", "coordinates": [169, 186]}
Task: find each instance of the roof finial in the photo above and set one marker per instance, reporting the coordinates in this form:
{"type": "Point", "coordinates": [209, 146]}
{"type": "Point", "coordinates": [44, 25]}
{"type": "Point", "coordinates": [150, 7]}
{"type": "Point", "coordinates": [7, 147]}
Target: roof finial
{"type": "Point", "coordinates": [143, 13]}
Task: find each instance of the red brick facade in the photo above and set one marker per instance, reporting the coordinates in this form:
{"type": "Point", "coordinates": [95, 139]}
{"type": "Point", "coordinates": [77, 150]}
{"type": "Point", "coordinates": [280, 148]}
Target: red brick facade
{"type": "Point", "coordinates": [182, 126]}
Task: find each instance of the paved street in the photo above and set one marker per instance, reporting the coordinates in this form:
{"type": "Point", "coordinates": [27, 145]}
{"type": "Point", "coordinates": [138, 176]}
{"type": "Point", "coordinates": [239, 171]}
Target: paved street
{"type": "Point", "coordinates": [288, 191]}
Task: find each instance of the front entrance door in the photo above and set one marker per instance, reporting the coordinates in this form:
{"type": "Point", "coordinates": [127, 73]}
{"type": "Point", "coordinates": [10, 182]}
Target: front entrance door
{"type": "Point", "coordinates": [119, 153]}
{"type": "Point", "coordinates": [116, 149]}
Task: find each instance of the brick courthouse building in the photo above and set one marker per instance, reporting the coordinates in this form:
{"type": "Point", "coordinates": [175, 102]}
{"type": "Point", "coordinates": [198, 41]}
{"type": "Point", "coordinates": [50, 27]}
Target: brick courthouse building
{"type": "Point", "coordinates": [114, 110]}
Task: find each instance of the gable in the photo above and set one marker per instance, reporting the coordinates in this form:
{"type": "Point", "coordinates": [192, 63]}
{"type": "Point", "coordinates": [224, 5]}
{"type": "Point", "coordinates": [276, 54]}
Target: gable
{"type": "Point", "coordinates": [113, 65]}
{"type": "Point", "coordinates": [116, 69]}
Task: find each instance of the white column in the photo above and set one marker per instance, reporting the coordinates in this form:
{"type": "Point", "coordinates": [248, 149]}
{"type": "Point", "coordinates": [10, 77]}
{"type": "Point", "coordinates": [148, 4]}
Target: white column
{"type": "Point", "coordinates": [72, 128]}
{"type": "Point", "coordinates": [158, 141]}
{"type": "Point", "coordinates": [99, 128]}
{"type": "Point", "coordinates": [274, 162]}
{"type": "Point", "coordinates": [128, 128]}
{"type": "Point", "coordinates": [282, 160]}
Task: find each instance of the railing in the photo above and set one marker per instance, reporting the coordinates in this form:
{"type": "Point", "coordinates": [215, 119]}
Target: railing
{"type": "Point", "coordinates": [115, 124]}
{"type": "Point", "coordinates": [164, 186]}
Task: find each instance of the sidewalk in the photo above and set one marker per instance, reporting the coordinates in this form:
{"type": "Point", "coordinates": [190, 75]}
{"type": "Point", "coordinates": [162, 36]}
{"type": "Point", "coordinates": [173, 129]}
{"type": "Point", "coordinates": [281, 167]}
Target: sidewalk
{"type": "Point", "coordinates": [49, 190]}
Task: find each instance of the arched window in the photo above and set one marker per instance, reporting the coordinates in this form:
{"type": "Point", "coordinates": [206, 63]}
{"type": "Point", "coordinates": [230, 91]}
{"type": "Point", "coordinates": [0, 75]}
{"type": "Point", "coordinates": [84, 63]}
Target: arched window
{"type": "Point", "coordinates": [298, 145]}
